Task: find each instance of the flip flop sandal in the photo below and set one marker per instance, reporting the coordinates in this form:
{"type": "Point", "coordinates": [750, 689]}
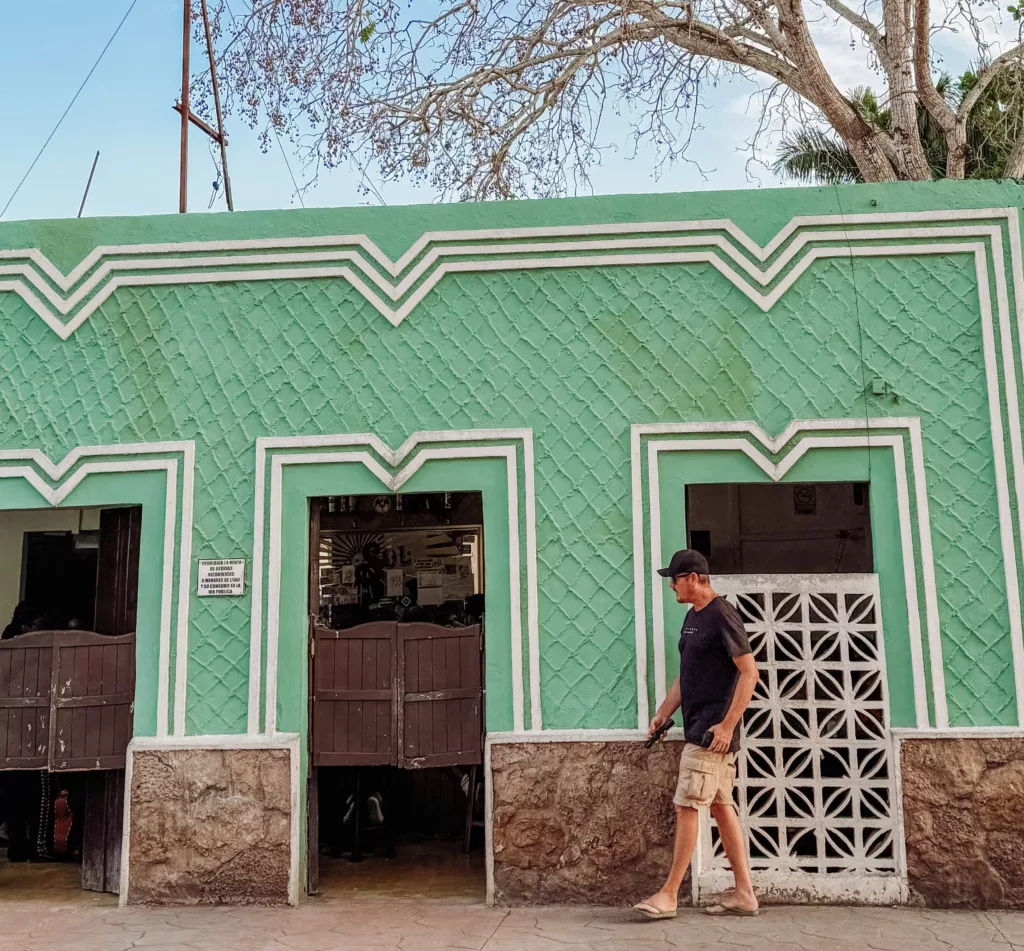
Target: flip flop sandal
{"type": "Point", "coordinates": [653, 913]}
{"type": "Point", "coordinates": [723, 911]}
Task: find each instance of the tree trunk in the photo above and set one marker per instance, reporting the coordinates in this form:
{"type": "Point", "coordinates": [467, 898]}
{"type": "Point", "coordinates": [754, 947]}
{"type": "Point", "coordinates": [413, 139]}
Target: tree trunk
{"type": "Point", "coordinates": [1015, 163]}
{"type": "Point", "coordinates": [956, 142]}
{"type": "Point", "coordinates": [818, 88]}
{"type": "Point", "coordinates": [899, 68]}
{"type": "Point", "coordinates": [870, 159]}
{"type": "Point", "coordinates": [953, 127]}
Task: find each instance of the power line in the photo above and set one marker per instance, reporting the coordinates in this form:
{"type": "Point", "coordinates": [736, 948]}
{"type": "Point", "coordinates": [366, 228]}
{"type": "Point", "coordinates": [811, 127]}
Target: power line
{"type": "Point", "coordinates": [287, 164]}
{"type": "Point", "coordinates": [39, 154]}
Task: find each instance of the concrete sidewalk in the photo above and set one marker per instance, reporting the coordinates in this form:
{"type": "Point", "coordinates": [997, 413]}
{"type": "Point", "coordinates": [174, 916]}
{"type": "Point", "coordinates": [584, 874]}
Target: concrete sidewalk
{"type": "Point", "coordinates": [375, 925]}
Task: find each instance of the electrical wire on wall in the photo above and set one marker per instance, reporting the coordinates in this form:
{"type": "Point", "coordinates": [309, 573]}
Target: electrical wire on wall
{"type": "Point", "coordinates": [860, 341]}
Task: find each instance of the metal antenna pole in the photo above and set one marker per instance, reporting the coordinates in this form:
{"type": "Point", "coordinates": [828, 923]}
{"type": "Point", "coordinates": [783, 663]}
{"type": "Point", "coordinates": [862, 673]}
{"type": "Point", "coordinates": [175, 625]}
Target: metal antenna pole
{"type": "Point", "coordinates": [185, 74]}
{"type": "Point", "coordinates": [216, 103]}
{"type": "Point", "coordinates": [88, 184]}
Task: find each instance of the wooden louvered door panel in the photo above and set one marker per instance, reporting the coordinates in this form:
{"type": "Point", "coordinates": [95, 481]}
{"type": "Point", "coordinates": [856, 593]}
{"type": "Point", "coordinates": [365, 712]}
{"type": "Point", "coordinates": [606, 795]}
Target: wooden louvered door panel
{"type": "Point", "coordinates": [354, 715]}
{"type": "Point", "coordinates": [117, 570]}
{"type": "Point", "coordinates": [93, 696]}
{"type": "Point", "coordinates": [441, 710]}
{"type": "Point", "coordinates": [26, 680]}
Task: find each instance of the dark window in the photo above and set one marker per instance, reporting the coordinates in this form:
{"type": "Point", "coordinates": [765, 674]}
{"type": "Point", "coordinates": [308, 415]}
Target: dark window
{"type": "Point", "coordinates": [772, 528]}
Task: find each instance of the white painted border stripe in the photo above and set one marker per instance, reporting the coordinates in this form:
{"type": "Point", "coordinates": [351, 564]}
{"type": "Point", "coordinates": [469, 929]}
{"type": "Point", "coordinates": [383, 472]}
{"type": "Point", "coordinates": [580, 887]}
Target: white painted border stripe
{"type": "Point", "coordinates": [840, 221]}
{"type": "Point", "coordinates": [116, 459]}
{"type": "Point", "coordinates": [705, 237]}
{"type": "Point", "coordinates": [639, 586]}
{"type": "Point", "coordinates": [776, 471]}
{"type": "Point", "coordinates": [184, 588]}
{"type": "Point", "coordinates": [393, 458]}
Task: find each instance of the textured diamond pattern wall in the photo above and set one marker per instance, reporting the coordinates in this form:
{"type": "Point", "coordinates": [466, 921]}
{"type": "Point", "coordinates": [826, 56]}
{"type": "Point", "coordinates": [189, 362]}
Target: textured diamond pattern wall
{"type": "Point", "coordinates": [578, 356]}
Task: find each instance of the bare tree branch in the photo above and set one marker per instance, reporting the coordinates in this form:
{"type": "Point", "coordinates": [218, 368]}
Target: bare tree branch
{"type": "Point", "coordinates": [508, 98]}
{"type": "Point", "coordinates": [1012, 56]}
{"type": "Point", "coordinates": [861, 23]}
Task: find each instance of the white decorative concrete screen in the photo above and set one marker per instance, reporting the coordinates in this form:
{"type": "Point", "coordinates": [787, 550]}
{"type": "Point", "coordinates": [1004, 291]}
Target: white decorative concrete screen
{"type": "Point", "coordinates": [816, 785]}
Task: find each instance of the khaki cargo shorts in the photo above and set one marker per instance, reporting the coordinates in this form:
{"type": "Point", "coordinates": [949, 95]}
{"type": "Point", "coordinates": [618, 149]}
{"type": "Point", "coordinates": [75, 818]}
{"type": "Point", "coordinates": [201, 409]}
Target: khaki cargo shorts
{"type": "Point", "coordinates": [705, 778]}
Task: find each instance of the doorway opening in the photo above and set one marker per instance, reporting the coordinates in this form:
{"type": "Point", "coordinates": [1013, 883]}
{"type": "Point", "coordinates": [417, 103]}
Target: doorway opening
{"type": "Point", "coordinates": [815, 784]}
{"type": "Point", "coordinates": [68, 600]}
{"type": "Point", "coordinates": [397, 608]}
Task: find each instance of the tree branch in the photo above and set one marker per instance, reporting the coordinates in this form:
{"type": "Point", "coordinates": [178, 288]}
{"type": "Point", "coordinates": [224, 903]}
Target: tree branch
{"type": "Point", "coordinates": [862, 23]}
{"type": "Point", "coordinates": [986, 75]}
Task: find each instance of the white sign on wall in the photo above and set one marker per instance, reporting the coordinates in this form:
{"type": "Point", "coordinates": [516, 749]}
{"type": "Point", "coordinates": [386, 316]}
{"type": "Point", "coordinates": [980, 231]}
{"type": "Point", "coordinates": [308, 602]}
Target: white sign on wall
{"type": "Point", "coordinates": [224, 577]}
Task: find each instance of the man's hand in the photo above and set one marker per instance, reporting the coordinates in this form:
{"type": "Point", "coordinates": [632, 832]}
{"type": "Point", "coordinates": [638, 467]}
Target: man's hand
{"type": "Point", "coordinates": [658, 721]}
{"type": "Point", "coordinates": [721, 738]}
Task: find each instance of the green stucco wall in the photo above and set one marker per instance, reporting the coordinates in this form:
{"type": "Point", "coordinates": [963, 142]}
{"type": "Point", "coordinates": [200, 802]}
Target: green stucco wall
{"type": "Point", "coordinates": [577, 354]}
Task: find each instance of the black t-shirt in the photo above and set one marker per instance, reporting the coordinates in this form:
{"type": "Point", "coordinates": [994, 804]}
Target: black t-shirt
{"type": "Point", "coordinates": [709, 641]}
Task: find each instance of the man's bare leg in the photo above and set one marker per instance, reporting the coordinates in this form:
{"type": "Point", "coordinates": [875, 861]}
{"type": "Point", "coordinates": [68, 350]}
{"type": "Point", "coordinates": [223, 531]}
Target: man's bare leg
{"type": "Point", "coordinates": [729, 828]}
{"type": "Point", "coordinates": [686, 840]}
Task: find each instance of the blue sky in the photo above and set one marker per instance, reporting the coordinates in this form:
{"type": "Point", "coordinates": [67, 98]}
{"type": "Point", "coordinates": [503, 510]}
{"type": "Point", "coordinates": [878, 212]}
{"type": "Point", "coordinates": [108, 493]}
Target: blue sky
{"type": "Point", "coordinates": [125, 112]}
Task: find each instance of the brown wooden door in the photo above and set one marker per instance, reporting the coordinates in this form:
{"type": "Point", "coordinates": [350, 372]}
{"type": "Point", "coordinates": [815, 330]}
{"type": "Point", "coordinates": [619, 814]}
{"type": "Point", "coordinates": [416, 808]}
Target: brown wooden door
{"type": "Point", "coordinates": [101, 831]}
{"type": "Point", "coordinates": [354, 715]}
{"type": "Point", "coordinates": [117, 573]}
{"type": "Point", "coordinates": [26, 680]}
{"type": "Point", "coordinates": [66, 700]}
{"type": "Point", "coordinates": [441, 711]}
{"type": "Point", "coordinates": [312, 776]}
{"type": "Point", "coordinates": [94, 688]}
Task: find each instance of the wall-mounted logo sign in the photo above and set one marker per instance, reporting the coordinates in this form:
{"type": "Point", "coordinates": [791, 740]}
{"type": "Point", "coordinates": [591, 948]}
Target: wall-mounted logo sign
{"type": "Point", "coordinates": [222, 578]}
{"type": "Point", "coordinates": [382, 504]}
{"type": "Point", "coordinates": [805, 500]}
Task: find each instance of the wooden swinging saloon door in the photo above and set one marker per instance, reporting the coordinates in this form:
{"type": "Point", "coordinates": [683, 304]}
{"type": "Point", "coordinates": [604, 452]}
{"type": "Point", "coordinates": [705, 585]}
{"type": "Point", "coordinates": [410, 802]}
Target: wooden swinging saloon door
{"type": "Point", "coordinates": [354, 715]}
{"type": "Point", "coordinates": [388, 694]}
{"type": "Point", "coordinates": [439, 695]}
{"type": "Point", "coordinates": [67, 699]}
{"type": "Point", "coordinates": [391, 694]}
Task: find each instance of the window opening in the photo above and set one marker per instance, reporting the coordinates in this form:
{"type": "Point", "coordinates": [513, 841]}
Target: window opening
{"type": "Point", "coordinates": [781, 528]}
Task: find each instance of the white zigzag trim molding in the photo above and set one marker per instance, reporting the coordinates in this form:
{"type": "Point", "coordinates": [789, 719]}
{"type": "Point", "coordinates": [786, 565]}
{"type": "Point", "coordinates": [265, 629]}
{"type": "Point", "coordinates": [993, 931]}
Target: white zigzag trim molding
{"type": "Point", "coordinates": [166, 457]}
{"type": "Point", "coordinates": [273, 453]}
{"type": "Point", "coordinates": [728, 437]}
{"type": "Point", "coordinates": [66, 301]}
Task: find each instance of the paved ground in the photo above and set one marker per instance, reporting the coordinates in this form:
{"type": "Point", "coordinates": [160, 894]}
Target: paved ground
{"type": "Point", "coordinates": [374, 924]}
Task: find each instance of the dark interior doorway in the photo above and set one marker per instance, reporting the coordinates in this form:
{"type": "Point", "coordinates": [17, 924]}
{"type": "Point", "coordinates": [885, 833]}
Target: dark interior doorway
{"type": "Point", "coordinates": [67, 682]}
{"type": "Point", "coordinates": [59, 571]}
{"type": "Point", "coordinates": [781, 528]}
{"type": "Point", "coordinates": [396, 691]}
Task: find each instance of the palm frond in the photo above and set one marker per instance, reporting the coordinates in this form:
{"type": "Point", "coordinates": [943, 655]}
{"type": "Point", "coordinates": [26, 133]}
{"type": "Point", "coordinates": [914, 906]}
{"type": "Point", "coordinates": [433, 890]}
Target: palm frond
{"type": "Point", "coordinates": [812, 156]}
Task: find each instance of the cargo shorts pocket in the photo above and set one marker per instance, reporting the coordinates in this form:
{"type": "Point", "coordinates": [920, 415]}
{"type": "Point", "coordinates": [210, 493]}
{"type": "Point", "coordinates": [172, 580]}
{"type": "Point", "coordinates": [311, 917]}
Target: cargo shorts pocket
{"type": "Point", "coordinates": [699, 778]}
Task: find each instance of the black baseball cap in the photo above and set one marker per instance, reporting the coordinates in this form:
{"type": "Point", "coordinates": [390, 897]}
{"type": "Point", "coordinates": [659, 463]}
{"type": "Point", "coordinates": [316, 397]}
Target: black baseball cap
{"type": "Point", "coordinates": [685, 562]}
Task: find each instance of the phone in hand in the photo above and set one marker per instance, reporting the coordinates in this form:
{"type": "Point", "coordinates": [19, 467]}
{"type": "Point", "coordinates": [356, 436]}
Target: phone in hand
{"type": "Point", "coordinates": [659, 733]}
{"type": "Point", "coordinates": [707, 739]}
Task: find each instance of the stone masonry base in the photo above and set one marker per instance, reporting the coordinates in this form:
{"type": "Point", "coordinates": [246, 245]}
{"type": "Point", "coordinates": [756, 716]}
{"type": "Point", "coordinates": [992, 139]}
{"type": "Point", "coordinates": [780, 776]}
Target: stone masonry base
{"type": "Point", "coordinates": [963, 812]}
{"type": "Point", "coordinates": [582, 822]}
{"type": "Point", "coordinates": [209, 827]}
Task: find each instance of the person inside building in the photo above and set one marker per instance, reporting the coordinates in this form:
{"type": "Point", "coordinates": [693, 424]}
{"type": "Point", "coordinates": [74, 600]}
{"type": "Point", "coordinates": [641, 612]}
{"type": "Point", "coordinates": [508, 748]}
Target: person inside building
{"type": "Point", "coordinates": [21, 799]}
{"type": "Point", "coordinates": [717, 678]}
{"type": "Point", "coordinates": [24, 619]}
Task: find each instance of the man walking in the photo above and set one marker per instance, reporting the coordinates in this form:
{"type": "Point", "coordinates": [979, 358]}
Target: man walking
{"type": "Point", "coordinates": [717, 677]}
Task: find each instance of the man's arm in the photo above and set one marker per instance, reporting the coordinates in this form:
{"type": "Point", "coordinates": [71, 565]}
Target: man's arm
{"type": "Point", "coordinates": [668, 706]}
{"type": "Point", "coordinates": [745, 687]}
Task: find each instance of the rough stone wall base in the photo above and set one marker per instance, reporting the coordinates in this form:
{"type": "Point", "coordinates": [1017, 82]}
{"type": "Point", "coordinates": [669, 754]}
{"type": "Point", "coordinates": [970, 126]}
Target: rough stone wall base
{"type": "Point", "coordinates": [209, 827]}
{"type": "Point", "coordinates": [582, 822]}
{"type": "Point", "coordinates": [963, 802]}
